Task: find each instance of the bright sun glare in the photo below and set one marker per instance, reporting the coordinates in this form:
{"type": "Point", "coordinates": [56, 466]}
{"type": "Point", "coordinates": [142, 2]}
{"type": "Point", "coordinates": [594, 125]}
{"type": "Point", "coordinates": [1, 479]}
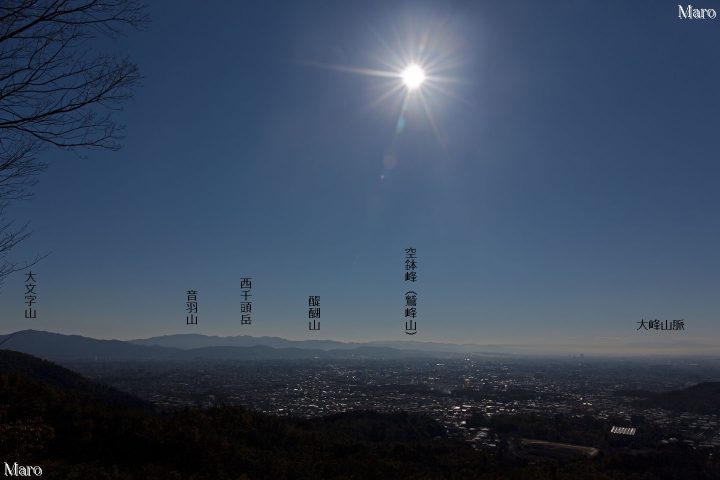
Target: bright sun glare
{"type": "Point", "coordinates": [413, 76]}
{"type": "Point", "coordinates": [412, 72]}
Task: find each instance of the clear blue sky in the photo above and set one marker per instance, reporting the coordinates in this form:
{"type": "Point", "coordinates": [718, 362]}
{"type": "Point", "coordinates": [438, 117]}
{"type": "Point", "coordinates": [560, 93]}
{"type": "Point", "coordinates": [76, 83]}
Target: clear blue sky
{"type": "Point", "coordinates": [571, 187]}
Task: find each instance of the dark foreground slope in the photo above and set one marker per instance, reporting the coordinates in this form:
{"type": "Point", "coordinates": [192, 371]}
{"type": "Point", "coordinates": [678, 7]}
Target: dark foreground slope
{"type": "Point", "coordinates": [33, 368]}
{"type": "Point", "coordinates": [47, 420]}
{"type": "Point", "coordinates": [701, 398]}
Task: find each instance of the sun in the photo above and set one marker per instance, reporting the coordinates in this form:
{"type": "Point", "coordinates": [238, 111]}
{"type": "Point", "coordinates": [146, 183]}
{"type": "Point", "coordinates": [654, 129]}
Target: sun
{"type": "Point", "coordinates": [413, 76]}
{"type": "Point", "coordinates": [413, 73]}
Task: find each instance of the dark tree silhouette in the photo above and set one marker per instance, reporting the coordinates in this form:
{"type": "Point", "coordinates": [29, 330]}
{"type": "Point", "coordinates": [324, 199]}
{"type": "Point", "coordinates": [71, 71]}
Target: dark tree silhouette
{"type": "Point", "coordinates": [55, 92]}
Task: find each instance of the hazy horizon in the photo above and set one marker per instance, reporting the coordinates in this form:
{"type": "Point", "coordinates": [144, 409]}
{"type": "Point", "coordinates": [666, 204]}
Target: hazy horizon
{"type": "Point", "coordinates": [621, 349]}
{"type": "Point", "coordinates": [556, 175]}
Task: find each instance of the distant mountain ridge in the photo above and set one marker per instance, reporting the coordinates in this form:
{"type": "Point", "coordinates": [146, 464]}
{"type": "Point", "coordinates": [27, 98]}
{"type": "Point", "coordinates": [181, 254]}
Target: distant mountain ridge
{"type": "Point", "coordinates": [63, 348]}
{"type": "Point", "coordinates": [193, 340]}
{"type": "Point", "coordinates": [166, 347]}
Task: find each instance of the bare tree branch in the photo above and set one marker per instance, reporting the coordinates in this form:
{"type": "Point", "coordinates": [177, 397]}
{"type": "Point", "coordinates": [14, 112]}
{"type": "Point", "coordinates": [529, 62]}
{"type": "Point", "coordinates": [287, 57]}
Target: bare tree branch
{"type": "Point", "coordinates": [55, 92]}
